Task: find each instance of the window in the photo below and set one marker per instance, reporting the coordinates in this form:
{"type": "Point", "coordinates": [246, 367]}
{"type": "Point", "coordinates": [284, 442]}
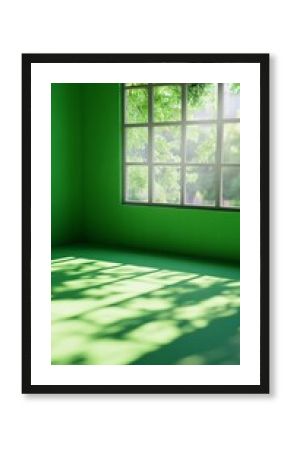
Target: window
{"type": "Point", "coordinates": [182, 144]}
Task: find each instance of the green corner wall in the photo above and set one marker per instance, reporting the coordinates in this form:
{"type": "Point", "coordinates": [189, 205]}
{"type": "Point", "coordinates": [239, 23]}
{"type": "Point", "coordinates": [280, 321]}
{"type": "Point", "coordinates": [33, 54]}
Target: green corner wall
{"type": "Point", "coordinates": [66, 164]}
{"type": "Point", "coordinates": [87, 181]}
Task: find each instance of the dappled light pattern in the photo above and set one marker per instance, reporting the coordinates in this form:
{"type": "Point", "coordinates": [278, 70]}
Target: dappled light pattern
{"type": "Point", "coordinates": [117, 307]}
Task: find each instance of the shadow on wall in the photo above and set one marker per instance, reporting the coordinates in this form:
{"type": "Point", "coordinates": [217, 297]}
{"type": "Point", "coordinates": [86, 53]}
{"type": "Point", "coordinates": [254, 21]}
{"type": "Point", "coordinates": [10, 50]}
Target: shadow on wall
{"type": "Point", "coordinates": [111, 307]}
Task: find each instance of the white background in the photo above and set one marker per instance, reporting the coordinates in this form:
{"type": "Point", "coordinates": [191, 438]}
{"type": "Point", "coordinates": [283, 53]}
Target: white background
{"type": "Point", "coordinates": [130, 422]}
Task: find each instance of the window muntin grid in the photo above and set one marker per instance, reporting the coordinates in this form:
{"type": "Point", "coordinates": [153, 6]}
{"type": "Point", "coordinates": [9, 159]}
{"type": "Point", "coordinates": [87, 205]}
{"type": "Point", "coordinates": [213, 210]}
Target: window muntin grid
{"type": "Point", "coordinates": [219, 169]}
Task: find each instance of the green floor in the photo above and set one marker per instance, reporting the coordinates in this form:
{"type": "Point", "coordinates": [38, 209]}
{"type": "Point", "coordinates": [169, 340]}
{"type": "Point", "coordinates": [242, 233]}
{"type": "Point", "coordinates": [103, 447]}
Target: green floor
{"type": "Point", "coordinates": [119, 307]}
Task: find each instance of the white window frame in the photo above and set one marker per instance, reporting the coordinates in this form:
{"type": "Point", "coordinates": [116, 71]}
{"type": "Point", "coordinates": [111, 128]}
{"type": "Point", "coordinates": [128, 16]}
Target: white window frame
{"type": "Point", "coordinates": [219, 121]}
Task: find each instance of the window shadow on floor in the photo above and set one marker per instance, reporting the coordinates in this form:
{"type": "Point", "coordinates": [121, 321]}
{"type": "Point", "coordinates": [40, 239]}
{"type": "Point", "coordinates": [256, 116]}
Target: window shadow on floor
{"type": "Point", "coordinates": [117, 307]}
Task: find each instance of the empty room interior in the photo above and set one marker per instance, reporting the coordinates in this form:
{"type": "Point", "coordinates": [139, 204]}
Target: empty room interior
{"type": "Point", "coordinates": [145, 223]}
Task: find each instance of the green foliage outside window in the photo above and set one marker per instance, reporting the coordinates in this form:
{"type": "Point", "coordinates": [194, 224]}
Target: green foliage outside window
{"type": "Point", "coordinates": [137, 182]}
{"type": "Point", "coordinates": [166, 185]}
{"type": "Point", "coordinates": [136, 105]}
{"type": "Point", "coordinates": [231, 143]}
{"type": "Point", "coordinates": [200, 145]}
{"type": "Point", "coordinates": [200, 186]}
{"type": "Point", "coordinates": [167, 144]}
{"type": "Point", "coordinates": [136, 144]}
{"type": "Point", "coordinates": [198, 140]}
{"type": "Point", "coordinates": [166, 103]}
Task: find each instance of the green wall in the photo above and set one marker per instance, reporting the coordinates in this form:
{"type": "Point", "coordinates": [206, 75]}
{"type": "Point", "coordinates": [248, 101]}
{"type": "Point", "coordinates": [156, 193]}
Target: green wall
{"type": "Point", "coordinates": [202, 233]}
{"type": "Point", "coordinates": [66, 164]}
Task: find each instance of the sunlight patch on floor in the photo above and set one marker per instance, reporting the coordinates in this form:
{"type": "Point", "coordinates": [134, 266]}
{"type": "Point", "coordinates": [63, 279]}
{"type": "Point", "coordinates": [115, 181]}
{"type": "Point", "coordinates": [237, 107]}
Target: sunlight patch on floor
{"type": "Point", "coordinates": [113, 312]}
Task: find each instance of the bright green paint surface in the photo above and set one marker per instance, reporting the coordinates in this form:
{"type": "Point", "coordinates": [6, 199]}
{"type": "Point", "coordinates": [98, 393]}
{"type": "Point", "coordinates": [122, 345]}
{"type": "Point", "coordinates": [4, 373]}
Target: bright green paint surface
{"type": "Point", "coordinates": [87, 182]}
{"type": "Point", "coordinates": [120, 307]}
{"type": "Point", "coordinates": [213, 234]}
{"type": "Point", "coordinates": [66, 164]}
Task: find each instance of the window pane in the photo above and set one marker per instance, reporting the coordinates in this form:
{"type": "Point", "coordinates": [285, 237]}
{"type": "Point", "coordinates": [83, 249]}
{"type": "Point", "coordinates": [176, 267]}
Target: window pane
{"type": "Point", "coordinates": [200, 186]}
{"type": "Point", "coordinates": [200, 143]}
{"type": "Point", "coordinates": [167, 144]}
{"type": "Point", "coordinates": [201, 101]}
{"type": "Point", "coordinates": [136, 144]}
{"type": "Point", "coordinates": [136, 109]}
{"type": "Point", "coordinates": [166, 103]}
{"type": "Point", "coordinates": [231, 143]}
{"type": "Point", "coordinates": [232, 100]}
{"type": "Point", "coordinates": [137, 184]}
{"type": "Point", "coordinates": [231, 187]}
{"type": "Point", "coordinates": [166, 186]}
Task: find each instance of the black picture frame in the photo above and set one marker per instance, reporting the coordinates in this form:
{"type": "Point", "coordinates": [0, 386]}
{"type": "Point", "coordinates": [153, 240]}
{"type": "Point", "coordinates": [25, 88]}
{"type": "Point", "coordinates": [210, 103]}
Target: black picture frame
{"type": "Point", "coordinates": [263, 61]}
